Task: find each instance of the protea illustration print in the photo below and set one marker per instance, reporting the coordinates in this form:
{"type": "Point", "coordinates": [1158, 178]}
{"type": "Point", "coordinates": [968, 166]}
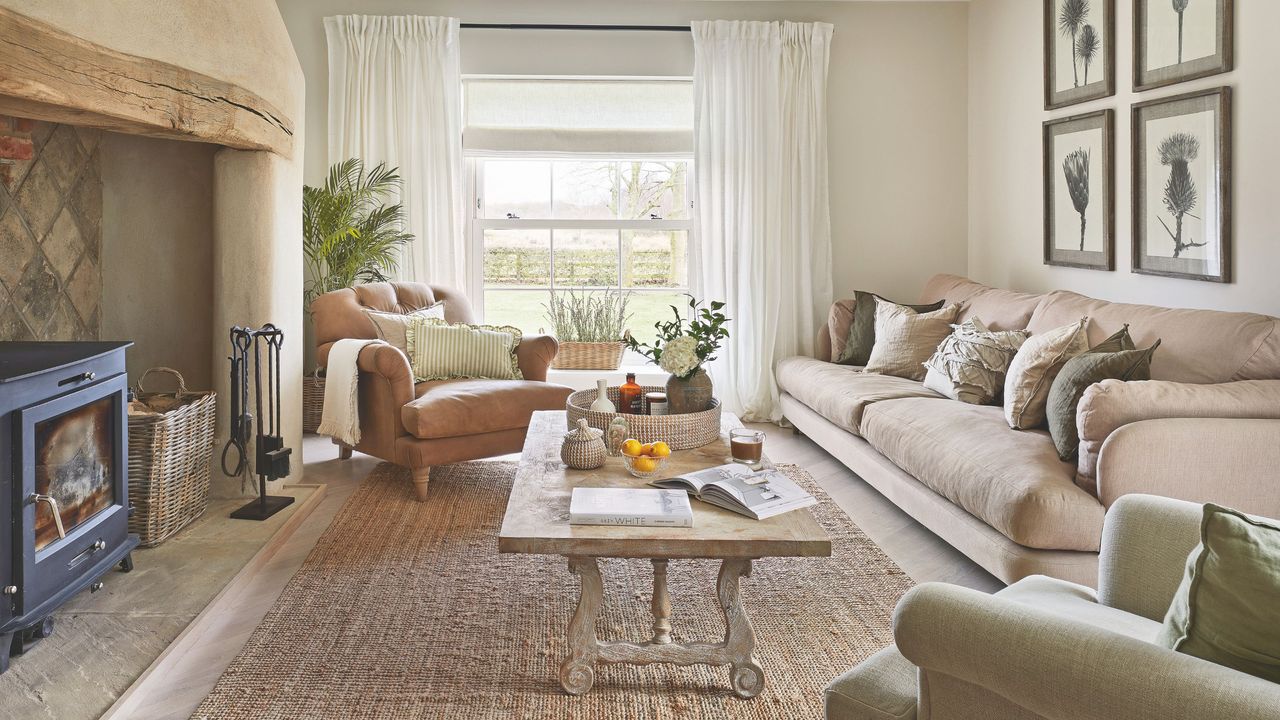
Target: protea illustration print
{"type": "Point", "coordinates": [1076, 169]}
{"type": "Point", "coordinates": [1071, 17]}
{"type": "Point", "coordinates": [1180, 6]}
{"type": "Point", "coordinates": [1087, 46]}
{"type": "Point", "coordinates": [1177, 151]}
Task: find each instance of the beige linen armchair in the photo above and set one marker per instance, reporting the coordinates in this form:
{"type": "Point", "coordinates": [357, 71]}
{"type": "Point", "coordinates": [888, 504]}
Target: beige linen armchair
{"type": "Point", "coordinates": [1049, 649]}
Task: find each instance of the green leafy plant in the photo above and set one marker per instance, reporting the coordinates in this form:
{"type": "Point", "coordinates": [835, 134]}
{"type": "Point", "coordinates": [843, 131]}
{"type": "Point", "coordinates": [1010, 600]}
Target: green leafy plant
{"type": "Point", "coordinates": [589, 316]}
{"type": "Point", "coordinates": [696, 339]}
{"type": "Point", "coordinates": [350, 232]}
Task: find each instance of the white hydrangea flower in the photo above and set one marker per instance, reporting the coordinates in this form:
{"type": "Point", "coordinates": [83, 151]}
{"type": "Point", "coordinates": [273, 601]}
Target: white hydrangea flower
{"type": "Point", "coordinates": [680, 357]}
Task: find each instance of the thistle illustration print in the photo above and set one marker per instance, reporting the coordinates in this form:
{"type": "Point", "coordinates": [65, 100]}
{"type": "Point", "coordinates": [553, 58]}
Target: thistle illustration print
{"type": "Point", "coordinates": [1076, 169]}
{"type": "Point", "coordinates": [1177, 151]}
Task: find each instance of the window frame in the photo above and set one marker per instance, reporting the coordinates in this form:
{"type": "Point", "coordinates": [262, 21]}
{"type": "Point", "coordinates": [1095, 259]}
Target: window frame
{"type": "Point", "coordinates": [477, 224]}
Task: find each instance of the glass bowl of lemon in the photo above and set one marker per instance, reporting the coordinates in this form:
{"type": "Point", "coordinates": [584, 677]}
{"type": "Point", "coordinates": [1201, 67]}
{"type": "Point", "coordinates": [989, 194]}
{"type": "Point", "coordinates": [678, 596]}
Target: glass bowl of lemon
{"type": "Point", "coordinates": [644, 460]}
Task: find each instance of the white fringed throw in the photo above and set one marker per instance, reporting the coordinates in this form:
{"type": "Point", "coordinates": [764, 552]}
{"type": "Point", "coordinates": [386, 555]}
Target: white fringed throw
{"type": "Point", "coordinates": [340, 418]}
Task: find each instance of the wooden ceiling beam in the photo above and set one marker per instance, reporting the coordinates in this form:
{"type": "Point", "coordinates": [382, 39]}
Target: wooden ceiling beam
{"type": "Point", "coordinates": [48, 74]}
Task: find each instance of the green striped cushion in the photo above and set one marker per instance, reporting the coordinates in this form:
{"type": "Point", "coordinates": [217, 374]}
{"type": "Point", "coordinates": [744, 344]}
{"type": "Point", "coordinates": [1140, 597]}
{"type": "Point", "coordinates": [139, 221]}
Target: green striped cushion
{"type": "Point", "coordinates": [440, 351]}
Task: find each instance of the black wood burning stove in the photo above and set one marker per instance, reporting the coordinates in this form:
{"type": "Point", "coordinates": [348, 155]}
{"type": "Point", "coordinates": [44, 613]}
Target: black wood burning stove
{"type": "Point", "coordinates": [64, 497]}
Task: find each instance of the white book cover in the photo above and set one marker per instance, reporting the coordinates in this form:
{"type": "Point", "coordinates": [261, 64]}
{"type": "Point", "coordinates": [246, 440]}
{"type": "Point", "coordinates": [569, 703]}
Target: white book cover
{"type": "Point", "coordinates": [630, 506]}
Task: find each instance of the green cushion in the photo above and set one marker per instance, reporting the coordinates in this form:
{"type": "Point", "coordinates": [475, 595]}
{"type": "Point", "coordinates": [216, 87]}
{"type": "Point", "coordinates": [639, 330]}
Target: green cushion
{"type": "Point", "coordinates": [862, 332]}
{"type": "Point", "coordinates": [441, 351]}
{"type": "Point", "coordinates": [1118, 341]}
{"type": "Point", "coordinates": [1227, 609]}
{"type": "Point", "coordinates": [1077, 375]}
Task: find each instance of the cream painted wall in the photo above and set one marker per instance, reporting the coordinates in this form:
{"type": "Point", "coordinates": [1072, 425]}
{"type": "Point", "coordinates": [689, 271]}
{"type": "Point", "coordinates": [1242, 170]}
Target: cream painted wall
{"type": "Point", "coordinates": [157, 254]}
{"type": "Point", "coordinates": [897, 111]}
{"type": "Point", "coordinates": [1005, 116]}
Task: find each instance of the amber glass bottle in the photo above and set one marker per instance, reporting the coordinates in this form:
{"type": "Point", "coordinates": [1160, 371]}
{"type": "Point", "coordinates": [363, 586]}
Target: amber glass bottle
{"type": "Point", "coordinates": [631, 397]}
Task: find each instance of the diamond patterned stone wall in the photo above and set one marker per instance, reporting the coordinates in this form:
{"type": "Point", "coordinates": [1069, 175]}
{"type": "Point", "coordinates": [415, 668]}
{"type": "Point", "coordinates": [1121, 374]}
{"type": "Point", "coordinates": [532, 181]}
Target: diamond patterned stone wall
{"type": "Point", "coordinates": [50, 231]}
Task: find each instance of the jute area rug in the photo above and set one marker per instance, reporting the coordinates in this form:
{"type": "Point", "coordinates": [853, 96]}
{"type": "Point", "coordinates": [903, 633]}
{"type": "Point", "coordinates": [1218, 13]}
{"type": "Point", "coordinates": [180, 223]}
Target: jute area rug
{"type": "Point", "coordinates": [406, 610]}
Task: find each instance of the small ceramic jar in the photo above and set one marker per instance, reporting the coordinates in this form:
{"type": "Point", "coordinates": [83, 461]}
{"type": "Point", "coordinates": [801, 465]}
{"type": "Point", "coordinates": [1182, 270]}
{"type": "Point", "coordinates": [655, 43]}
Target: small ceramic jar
{"type": "Point", "coordinates": [583, 448]}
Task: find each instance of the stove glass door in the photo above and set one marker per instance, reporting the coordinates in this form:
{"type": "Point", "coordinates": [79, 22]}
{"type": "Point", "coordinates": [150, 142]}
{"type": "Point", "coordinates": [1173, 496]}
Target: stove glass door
{"type": "Point", "coordinates": [74, 465]}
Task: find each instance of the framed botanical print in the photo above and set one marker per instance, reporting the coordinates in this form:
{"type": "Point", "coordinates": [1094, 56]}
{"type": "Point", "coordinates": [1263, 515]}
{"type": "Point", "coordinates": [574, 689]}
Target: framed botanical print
{"type": "Point", "coordinates": [1176, 40]}
{"type": "Point", "coordinates": [1079, 51]}
{"type": "Point", "coordinates": [1182, 186]}
{"type": "Point", "coordinates": [1079, 191]}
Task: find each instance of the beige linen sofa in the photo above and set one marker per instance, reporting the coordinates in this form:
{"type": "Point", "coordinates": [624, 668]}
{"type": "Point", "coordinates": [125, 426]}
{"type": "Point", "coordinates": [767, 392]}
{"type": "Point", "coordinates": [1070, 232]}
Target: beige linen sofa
{"type": "Point", "coordinates": [1206, 428]}
{"type": "Point", "coordinates": [1053, 650]}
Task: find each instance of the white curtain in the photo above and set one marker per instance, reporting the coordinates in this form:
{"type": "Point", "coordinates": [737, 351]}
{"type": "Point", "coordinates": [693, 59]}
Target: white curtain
{"type": "Point", "coordinates": [394, 97]}
{"type": "Point", "coordinates": [764, 230]}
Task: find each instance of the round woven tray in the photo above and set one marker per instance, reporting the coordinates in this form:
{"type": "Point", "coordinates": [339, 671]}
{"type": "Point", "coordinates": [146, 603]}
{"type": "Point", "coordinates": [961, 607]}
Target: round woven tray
{"type": "Point", "coordinates": [681, 432]}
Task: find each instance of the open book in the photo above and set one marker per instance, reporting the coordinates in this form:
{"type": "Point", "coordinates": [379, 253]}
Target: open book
{"type": "Point", "coordinates": [757, 494]}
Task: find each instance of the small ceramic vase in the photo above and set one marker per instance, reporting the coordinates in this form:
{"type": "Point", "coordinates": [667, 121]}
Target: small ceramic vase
{"type": "Point", "coordinates": [602, 403]}
{"type": "Point", "coordinates": [582, 448]}
{"type": "Point", "coordinates": [617, 434]}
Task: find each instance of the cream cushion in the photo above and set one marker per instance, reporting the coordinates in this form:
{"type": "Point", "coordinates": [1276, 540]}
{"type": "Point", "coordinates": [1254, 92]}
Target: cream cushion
{"type": "Point", "coordinates": [1013, 481]}
{"type": "Point", "coordinates": [905, 338]}
{"type": "Point", "coordinates": [392, 326]}
{"type": "Point", "coordinates": [971, 363]}
{"type": "Point", "coordinates": [440, 351]}
{"type": "Point", "coordinates": [841, 393]}
{"type": "Point", "coordinates": [1031, 374]}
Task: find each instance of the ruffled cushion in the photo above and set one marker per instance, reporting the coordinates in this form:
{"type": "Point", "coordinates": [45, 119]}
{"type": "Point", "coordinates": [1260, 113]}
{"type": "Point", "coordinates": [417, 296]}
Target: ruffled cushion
{"type": "Point", "coordinates": [971, 363]}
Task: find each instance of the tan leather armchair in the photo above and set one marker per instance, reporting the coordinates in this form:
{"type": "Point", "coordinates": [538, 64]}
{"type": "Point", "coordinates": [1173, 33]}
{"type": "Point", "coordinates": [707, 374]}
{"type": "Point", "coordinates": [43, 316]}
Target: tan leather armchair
{"type": "Point", "coordinates": [419, 425]}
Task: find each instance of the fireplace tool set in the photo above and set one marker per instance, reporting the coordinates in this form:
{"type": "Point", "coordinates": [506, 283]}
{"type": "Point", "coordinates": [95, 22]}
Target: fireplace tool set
{"type": "Point", "coordinates": [249, 347]}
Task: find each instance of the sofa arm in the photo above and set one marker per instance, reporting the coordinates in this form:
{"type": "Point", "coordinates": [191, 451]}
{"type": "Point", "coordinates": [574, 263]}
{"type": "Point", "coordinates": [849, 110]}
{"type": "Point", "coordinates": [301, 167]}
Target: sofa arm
{"type": "Point", "coordinates": [1112, 404]}
{"type": "Point", "coordinates": [390, 368]}
{"type": "Point", "coordinates": [1227, 461]}
{"type": "Point", "coordinates": [535, 354]}
{"type": "Point", "coordinates": [1057, 667]}
{"type": "Point", "coordinates": [1145, 544]}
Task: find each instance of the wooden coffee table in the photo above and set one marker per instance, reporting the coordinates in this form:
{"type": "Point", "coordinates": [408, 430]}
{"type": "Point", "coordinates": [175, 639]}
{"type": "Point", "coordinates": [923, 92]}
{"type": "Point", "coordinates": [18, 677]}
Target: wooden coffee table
{"type": "Point", "coordinates": [537, 522]}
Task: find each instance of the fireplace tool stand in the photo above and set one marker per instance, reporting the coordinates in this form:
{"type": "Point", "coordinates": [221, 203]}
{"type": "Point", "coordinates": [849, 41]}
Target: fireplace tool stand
{"type": "Point", "coordinates": [271, 457]}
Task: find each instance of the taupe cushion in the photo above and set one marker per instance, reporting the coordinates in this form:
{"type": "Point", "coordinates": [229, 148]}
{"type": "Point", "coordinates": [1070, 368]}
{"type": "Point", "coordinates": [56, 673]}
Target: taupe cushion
{"type": "Point", "coordinates": [454, 408]}
{"type": "Point", "coordinates": [392, 326]}
{"type": "Point", "coordinates": [840, 393]}
{"type": "Point", "coordinates": [1011, 480]}
{"type": "Point", "coordinates": [905, 338]}
{"type": "Point", "coordinates": [882, 687]}
{"type": "Point", "coordinates": [852, 325]}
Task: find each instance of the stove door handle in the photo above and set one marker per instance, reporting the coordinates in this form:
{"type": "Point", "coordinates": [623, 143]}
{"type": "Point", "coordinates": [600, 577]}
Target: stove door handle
{"type": "Point", "coordinates": [53, 506]}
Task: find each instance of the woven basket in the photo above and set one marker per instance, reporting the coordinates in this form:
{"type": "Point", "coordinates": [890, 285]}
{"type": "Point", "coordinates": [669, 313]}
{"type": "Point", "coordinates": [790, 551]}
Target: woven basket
{"type": "Point", "coordinates": [681, 432]}
{"type": "Point", "coordinates": [169, 456]}
{"type": "Point", "coordinates": [312, 401]}
{"type": "Point", "coordinates": [589, 355]}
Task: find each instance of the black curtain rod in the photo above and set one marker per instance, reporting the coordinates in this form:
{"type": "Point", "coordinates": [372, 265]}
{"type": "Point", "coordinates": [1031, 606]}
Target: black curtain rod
{"type": "Point", "coordinates": [539, 26]}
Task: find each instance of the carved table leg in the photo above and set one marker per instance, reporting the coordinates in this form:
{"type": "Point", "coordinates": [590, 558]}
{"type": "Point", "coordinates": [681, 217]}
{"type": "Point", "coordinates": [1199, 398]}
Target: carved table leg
{"type": "Point", "coordinates": [661, 606]}
{"type": "Point", "coordinates": [745, 674]}
{"type": "Point", "coordinates": [577, 672]}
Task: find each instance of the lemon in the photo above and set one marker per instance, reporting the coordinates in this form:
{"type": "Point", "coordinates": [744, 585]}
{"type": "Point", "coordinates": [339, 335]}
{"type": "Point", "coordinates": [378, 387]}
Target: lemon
{"type": "Point", "coordinates": [644, 464]}
{"type": "Point", "coordinates": [661, 449]}
{"type": "Point", "coordinates": [632, 447]}
{"type": "Point", "coordinates": [647, 449]}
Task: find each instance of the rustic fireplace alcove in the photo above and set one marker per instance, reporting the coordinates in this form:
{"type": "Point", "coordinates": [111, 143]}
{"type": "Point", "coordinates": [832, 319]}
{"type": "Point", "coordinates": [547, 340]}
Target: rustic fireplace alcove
{"type": "Point", "coordinates": [223, 74]}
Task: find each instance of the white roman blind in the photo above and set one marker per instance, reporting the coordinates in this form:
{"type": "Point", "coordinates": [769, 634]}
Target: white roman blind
{"type": "Point", "coordinates": [549, 116]}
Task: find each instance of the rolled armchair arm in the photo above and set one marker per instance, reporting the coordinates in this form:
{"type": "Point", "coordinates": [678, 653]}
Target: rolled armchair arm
{"type": "Point", "coordinates": [1059, 668]}
{"type": "Point", "coordinates": [1145, 544]}
{"type": "Point", "coordinates": [1231, 462]}
{"type": "Point", "coordinates": [390, 366]}
{"type": "Point", "coordinates": [534, 355]}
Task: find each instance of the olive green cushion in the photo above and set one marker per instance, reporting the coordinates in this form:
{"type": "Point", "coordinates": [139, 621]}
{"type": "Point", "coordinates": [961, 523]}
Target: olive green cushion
{"type": "Point", "coordinates": [862, 329]}
{"type": "Point", "coordinates": [1078, 374]}
{"type": "Point", "coordinates": [1227, 609]}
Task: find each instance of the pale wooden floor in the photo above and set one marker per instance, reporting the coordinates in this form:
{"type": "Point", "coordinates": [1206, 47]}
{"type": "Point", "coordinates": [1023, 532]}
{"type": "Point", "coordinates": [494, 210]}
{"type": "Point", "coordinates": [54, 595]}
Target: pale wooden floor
{"type": "Point", "coordinates": [201, 655]}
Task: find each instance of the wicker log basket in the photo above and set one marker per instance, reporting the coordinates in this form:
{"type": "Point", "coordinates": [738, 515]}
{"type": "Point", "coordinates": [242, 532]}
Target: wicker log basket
{"type": "Point", "coordinates": [312, 401]}
{"type": "Point", "coordinates": [681, 432]}
{"type": "Point", "coordinates": [589, 355]}
{"type": "Point", "coordinates": [171, 438]}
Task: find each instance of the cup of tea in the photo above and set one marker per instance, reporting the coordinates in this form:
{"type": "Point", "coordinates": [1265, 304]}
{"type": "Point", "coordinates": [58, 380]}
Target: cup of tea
{"type": "Point", "coordinates": [746, 446]}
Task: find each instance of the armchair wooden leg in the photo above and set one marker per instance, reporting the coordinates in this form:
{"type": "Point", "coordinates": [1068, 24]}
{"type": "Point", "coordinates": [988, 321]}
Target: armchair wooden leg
{"type": "Point", "coordinates": [421, 476]}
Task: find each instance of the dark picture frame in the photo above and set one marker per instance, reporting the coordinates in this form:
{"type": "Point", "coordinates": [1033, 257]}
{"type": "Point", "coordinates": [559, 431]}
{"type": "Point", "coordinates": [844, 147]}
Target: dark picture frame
{"type": "Point", "coordinates": [1065, 21]}
{"type": "Point", "coordinates": [1191, 184]}
{"type": "Point", "coordinates": [1073, 178]}
{"type": "Point", "coordinates": [1223, 34]}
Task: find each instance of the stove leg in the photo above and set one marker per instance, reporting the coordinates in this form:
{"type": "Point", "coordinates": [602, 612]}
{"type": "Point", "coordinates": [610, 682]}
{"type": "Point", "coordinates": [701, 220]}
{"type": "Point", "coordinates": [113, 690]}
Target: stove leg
{"type": "Point", "coordinates": [5, 640]}
{"type": "Point", "coordinates": [126, 563]}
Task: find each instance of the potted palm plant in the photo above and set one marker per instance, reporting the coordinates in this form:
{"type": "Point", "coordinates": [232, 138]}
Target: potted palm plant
{"type": "Point", "coordinates": [591, 328]}
{"type": "Point", "coordinates": [351, 234]}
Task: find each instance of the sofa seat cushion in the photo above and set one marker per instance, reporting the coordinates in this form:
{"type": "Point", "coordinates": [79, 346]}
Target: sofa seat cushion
{"type": "Point", "coordinates": [1081, 604]}
{"type": "Point", "coordinates": [453, 408]}
{"type": "Point", "coordinates": [1010, 479]}
{"type": "Point", "coordinates": [841, 393]}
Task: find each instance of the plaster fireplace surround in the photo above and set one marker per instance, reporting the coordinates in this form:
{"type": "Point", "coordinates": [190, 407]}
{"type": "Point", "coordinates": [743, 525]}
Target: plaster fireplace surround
{"type": "Point", "coordinates": [150, 181]}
